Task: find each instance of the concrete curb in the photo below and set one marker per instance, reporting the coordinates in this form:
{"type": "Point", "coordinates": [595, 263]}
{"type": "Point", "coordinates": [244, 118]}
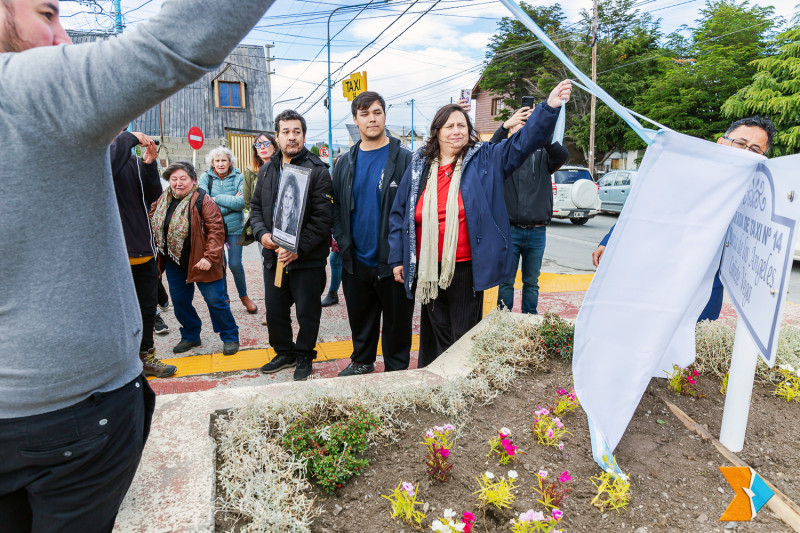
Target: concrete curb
{"type": "Point", "coordinates": [174, 491]}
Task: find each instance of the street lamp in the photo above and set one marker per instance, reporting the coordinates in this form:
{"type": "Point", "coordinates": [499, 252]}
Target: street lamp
{"type": "Point", "coordinates": [330, 103]}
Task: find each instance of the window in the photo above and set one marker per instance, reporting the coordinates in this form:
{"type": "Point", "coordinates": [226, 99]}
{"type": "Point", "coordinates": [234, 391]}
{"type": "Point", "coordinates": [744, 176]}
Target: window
{"type": "Point", "coordinates": [230, 93]}
{"type": "Point", "coordinates": [497, 106]}
{"type": "Point", "coordinates": [571, 175]}
{"type": "Point", "coordinates": [624, 178]}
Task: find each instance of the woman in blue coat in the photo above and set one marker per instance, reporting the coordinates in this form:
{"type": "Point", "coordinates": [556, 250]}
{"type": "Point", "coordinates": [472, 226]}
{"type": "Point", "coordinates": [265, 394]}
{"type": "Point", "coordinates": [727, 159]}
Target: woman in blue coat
{"type": "Point", "coordinates": [449, 235]}
{"type": "Point", "coordinates": [224, 184]}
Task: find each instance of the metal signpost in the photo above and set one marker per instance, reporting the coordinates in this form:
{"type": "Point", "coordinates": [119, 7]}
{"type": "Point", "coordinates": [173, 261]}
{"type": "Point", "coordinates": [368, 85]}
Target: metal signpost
{"type": "Point", "coordinates": [755, 268]}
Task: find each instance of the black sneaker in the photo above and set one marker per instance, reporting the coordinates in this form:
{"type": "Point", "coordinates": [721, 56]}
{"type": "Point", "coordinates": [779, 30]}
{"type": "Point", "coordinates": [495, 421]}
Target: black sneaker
{"type": "Point", "coordinates": [357, 369]}
{"type": "Point", "coordinates": [159, 326]}
{"type": "Point", "coordinates": [185, 346]}
{"type": "Point", "coordinates": [331, 299]}
{"type": "Point", "coordinates": [230, 348]}
{"type": "Point", "coordinates": [303, 369]}
{"type": "Point", "coordinates": [279, 362]}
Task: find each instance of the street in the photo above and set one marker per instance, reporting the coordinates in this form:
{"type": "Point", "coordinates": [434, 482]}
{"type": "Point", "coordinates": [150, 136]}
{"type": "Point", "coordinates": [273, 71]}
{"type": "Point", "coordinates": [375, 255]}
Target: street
{"type": "Point", "coordinates": [569, 249]}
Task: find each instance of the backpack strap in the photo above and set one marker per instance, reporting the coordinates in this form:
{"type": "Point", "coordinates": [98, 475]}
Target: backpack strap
{"type": "Point", "coordinates": [199, 206]}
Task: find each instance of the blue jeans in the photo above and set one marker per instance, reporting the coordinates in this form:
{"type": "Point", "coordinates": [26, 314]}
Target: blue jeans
{"type": "Point", "coordinates": [336, 271]}
{"type": "Point", "coordinates": [528, 243]}
{"type": "Point", "coordinates": [214, 294]}
{"type": "Point", "coordinates": [237, 269]}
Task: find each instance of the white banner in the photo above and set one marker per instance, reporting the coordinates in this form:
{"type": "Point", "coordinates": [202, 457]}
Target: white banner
{"type": "Point", "coordinates": [639, 315]}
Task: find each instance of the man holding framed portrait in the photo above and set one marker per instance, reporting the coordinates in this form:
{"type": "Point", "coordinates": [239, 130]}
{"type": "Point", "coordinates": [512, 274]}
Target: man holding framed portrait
{"type": "Point", "coordinates": [291, 216]}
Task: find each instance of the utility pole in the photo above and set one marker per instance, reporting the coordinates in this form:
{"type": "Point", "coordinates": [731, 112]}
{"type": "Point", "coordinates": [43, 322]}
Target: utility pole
{"type": "Point", "coordinates": [412, 124]}
{"type": "Point", "coordinates": [594, 79]}
{"type": "Point", "coordinates": [270, 72]}
{"type": "Point", "coordinates": [117, 15]}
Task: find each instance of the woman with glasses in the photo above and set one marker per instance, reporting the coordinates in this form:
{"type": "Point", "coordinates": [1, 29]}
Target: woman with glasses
{"type": "Point", "coordinates": [264, 148]}
{"type": "Point", "coordinates": [224, 184]}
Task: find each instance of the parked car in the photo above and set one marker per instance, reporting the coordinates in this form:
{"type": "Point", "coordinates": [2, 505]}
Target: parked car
{"type": "Point", "coordinates": [575, 194]}
{"type": "Point", "coordinates": [615, 188]}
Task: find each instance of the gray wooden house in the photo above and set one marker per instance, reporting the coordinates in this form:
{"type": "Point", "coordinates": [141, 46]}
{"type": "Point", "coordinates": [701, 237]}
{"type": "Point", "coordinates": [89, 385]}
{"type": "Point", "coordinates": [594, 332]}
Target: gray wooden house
{"type": "Point", "coordinates": [230, 105]}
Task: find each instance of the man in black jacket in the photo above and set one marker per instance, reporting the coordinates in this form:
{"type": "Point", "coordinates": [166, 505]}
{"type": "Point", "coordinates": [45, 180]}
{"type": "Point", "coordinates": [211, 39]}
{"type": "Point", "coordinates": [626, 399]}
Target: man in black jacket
{"type": "Point", "coordinates": [304, 271]}
{"type": "Point", "coordinates": [529, 200]}
{"type": "Point", "coordinates": [365, 182]}
{"type": "Point", "coordinates": [137, 185]}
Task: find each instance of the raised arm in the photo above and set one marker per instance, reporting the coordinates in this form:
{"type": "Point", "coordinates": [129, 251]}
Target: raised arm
{"type": "Point", "coordinates": [75, 91]}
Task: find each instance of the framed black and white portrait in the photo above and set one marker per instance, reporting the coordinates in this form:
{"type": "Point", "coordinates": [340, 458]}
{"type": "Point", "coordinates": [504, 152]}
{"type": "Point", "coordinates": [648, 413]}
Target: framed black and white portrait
{"type": "Point", "coordinates": [289, 207]}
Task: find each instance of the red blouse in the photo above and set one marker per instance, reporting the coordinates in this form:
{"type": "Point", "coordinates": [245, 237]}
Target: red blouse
{"type": "Point", "coordinates": [463, 250]}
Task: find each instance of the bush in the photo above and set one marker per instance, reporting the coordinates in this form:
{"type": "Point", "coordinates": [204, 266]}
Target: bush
{"type": "Point", "coordinates": [556, 336]}
{"type": "Point", "coordinates": [330, 451]}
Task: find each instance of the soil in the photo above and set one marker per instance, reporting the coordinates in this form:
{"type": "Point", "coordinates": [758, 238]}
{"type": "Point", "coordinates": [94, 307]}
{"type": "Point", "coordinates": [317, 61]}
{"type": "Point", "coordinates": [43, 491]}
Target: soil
{"type": "Point", "coordinates": [676, 485]}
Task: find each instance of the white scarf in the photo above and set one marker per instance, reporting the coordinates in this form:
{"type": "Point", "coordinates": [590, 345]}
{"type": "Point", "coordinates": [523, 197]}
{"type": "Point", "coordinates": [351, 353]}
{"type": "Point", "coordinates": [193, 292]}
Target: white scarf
{"type": "Point", "coordinates": [429, 279]}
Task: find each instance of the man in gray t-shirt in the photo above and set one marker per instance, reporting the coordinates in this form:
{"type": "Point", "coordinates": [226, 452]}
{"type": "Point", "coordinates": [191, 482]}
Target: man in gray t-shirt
{"type": "Point", "coordinates": [74, 409]}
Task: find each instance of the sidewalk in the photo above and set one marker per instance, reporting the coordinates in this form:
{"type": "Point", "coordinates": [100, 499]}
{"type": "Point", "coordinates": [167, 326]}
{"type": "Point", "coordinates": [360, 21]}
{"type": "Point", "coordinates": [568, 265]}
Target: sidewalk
{"type": "Point", "coordinates": [204, 367]}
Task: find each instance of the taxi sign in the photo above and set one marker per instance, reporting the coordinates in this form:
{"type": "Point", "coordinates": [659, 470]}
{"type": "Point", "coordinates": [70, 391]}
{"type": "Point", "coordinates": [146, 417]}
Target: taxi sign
{"type": "Point", "coordinates": [354, 85]}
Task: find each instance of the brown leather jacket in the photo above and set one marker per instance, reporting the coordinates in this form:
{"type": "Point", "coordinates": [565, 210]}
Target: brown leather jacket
{"type": "Point", "coordinates": [207, 239]}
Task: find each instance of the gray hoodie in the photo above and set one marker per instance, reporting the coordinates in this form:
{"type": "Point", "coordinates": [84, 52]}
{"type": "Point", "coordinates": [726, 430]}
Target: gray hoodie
{"type": "Point", "coordinates": [70, 324]}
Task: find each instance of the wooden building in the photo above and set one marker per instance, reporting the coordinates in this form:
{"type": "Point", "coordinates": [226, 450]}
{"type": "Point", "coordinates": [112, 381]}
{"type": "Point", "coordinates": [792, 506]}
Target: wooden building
{"type": "Point", "coordinates": [230, 104]}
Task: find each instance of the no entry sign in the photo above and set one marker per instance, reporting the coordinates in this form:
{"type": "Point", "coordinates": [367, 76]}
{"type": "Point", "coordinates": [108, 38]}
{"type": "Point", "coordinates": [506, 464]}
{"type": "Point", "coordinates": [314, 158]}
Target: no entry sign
{"type": "Point", "coordinates": [196, 138]}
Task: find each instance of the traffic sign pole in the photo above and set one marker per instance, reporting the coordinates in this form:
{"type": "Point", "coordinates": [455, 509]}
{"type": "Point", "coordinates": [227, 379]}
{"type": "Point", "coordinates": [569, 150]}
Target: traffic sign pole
{"type": "Point", "coordinates": [196, 141]}
{"type": "Point", "coordinates": [740, 389]}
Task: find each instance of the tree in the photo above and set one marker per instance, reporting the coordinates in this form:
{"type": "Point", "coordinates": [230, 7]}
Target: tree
{"type": "Point", "coordinates": [699, 78]}
{"type": "Point", "coordinates": [627, 51]}
{"type": "Point", "coordinates": [517, 63]}
{"type": "Point", "coordinates": [774, 92]}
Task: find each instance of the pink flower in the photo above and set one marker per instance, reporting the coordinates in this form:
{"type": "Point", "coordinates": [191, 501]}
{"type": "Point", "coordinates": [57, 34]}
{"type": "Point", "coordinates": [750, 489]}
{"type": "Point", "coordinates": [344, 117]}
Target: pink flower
{"type": "Point", "coordinates": [560, 445]}
{"type": "Point", "coordinates": [468, 517]}
{"type": "Point", "coordinates": [510, 448]}
{"type": "Point", "coordinates": [559, 424]}
{"type": "Point", "coordinates": [565, 477]}
{"type": "Point", "coordinates": [695, 373]}
{"type": "Point", "coordinates": [542, 474]}
{"type": "Point", "coordinates": [429, 434]}
{"type": "Point", "coordinates": [504, 432]}
{"type": "Point", "coordinates": [530, 516]}
{"type": "Point", "coordinates": [444, 452]}
{"type": "Point", "coordinates": [409, 488]}
{"type": "Point", "coordinates": [536, 516]}
{"type": "Point", "coordinates": [558, 514]}
{"type": "Point", "coordinates": [541, 411]}
{"type": "Point", "coordinates": [448, 427]}
{"type": "Point", "coordinates": [561, 392]}
{"type": "Point", "coordinates": [550, 433]}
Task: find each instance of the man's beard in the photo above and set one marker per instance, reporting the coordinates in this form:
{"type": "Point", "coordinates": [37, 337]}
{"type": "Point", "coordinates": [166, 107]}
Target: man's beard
{"type": "Point", "coordinates": [10, 41]}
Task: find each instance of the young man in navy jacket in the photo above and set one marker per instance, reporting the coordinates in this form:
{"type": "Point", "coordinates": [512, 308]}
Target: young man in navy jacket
{"type": "Point", "coordinates": [365, 181]}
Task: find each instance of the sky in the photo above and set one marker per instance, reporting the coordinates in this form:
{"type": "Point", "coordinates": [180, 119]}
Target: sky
{"type": "Point", "coordinates": [425, 50]}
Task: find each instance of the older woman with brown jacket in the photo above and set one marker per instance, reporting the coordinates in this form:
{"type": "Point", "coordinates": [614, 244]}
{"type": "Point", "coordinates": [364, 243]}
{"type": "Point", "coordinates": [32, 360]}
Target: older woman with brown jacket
{"type": "Point", "coordinates": [190, 244]}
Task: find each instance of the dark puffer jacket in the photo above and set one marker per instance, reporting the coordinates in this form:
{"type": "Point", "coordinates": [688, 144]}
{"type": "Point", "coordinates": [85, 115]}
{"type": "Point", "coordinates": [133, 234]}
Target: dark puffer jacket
{"type": "Point", "coordinates": [136, 186]}
{"type": "Point", "coordinates": [315, 229]}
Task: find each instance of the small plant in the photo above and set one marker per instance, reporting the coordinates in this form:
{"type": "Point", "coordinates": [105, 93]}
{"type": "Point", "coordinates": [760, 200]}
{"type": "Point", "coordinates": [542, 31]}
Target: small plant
{"type": "Point", "coordinates": [503, 447]}
{"type": "Point", "coordinates": [552, 493]}
{"type": "Point", "coordinates": [403, 500]}
{"type": "Point", "coordinates": [723, 386]}
{"type": "Point", "coordinates": [496, 492]}
{"type": "Point", "coordinates": [789, 388]}
{"type": "Point", "coordinates": [449, 524]}
{"type": "Point", "coordinates": [329, 451]}
{"type": "Point", "coordinates": [556, 336]}
{"type": "Point", "coordinates": [437, 458]}
{"type": "Point", "coordinates": [537, 522]}
{"type": "Point", "coordinates": [684, 381]}
{"type": "Point", "coordinates": [613, 491]}
{"type": "Point", "coordinates": [548, 429]}
{"type": "Point", "coordinates": [566, 402]}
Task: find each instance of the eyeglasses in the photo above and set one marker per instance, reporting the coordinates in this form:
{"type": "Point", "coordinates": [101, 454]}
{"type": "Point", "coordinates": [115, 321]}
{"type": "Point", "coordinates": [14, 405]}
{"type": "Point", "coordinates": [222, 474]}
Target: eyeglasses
{"type": "Point", "coordinates": [265, 144]}
{"type": "Point", "coordinates": [739, 143]}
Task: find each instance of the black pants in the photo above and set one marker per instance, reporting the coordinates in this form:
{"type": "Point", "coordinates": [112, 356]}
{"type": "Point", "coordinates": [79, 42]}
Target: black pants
{"type": "Point", "coordinates": [68, 471]}
{"type": "Point", "coordinates": [145, 279]}
{"type": "Point", "coordinates": [366, 297]}
{"type": "Point", "coordinates": [446, 319]}
{"type": "Point", "coordinates": [163, 297]}
{"type": "Point", "coordinates": [301, 287]}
